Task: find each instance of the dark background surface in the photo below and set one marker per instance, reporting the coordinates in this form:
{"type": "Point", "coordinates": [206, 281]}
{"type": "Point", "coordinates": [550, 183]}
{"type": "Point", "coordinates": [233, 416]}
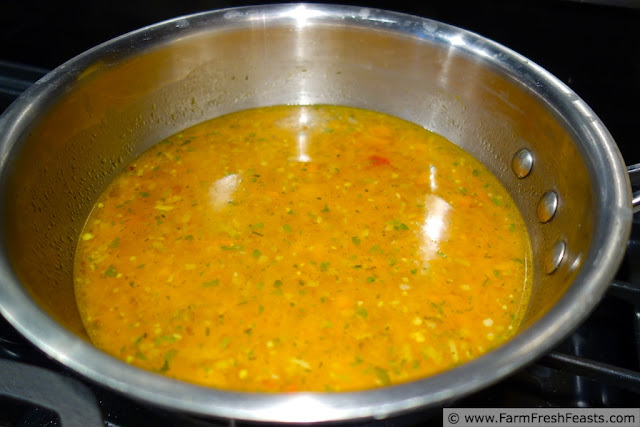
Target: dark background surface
{"type": "Point", "coordinates": [594, 48]}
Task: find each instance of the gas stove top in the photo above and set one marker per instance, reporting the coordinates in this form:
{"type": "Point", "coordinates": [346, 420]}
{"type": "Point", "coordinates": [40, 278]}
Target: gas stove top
{"type": "Point", "coordinates": [592, 48]}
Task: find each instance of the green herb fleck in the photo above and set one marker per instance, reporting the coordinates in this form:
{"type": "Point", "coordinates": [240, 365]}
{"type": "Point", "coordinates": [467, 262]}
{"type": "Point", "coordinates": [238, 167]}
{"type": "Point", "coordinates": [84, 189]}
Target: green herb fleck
{"type": "Point", "coordinates": [211, 283]}
{"type": "Point", "coordinates": [167, 358]}
{"type": "Point", "coordinates": [326, 208]}
{"type": "Point", "coordinates": [256, 253]}
{"type": "Point", "coordinates": [371, 279]}
{"type": "Point", "coordinates": [164, 339]}
{"type": "Point", "coordinates": [144, 194]}
{"type": "Point", "coordinates": [232, 248]}
{"type": "Point", "coordinates": [324, 266]}
{"type": "Point", "coordinates": [438, 306]}
{"type": "Point", "coordinates": [115, 243]}
{"type": "Point", "coordinates": [277, 283]}
{"type": "Point", "coordinates": [111, 271]}
{"type": "Point", "coordinates": [188, 237]}
{"type": "Point", "coordinates": [382, 375]}
{"type": "Point", "coordinates": [355, 240]}
{"type": "Point", "coordinates": [362, 312]}
{"type": "Point", "coordinates": [286, 228]}
{"type": "Point", "coordinates": [397, 225]}
{"type": "Point", "coordinates": [376, 249]}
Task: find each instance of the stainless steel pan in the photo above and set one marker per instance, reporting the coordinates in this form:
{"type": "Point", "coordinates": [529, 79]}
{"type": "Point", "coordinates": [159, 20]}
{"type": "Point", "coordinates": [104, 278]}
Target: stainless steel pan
{"type": "Point", "coordinates": [67, 136]}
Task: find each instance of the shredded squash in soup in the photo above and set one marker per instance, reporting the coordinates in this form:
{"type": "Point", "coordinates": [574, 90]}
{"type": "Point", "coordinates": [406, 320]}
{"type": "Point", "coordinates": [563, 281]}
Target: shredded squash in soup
{"type": "Point", "coordinates": [291, 248]}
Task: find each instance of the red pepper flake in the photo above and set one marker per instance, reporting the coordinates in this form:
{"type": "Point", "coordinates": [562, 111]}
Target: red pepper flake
{"type": "Point", "coordinates": [132, 168]}
{"type": "Point", "coordinates": [379, 161]}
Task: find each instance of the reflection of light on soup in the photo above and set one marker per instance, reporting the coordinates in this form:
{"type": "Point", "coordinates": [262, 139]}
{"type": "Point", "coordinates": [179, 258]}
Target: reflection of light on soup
{"type": "Point", "coordinates": [436, 211]}
{"type": "Point", "coordinates": [302, 248]}
{"type": "Point", "coordinates": [222, 190]}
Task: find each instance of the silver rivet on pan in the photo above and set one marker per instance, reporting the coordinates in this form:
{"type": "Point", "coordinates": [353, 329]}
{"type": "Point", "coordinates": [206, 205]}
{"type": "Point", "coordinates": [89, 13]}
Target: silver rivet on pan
{"type": "Point", "coordinates": [522, 163]}
{"type": "Point", "coordinates": [555, 257]}
{"type": "Point", "coordinates": [547, 206]}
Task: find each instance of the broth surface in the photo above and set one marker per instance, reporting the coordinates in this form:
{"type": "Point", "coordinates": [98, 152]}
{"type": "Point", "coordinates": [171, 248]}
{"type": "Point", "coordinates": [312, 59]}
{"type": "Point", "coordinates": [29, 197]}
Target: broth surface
{"type": "Point", "coordinates": [294, 248]}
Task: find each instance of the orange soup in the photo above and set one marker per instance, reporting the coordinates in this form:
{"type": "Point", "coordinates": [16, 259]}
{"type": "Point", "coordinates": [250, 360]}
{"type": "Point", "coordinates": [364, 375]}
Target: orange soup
{"type": "Point", "coordinates": [291, 248]}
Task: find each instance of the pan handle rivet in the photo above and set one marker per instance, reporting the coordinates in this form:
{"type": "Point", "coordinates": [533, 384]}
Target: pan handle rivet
{"type": "Point", "coordinates": [522, 163]}
{"type": "Point", "coordinates": [547, 206]}
{"type": "Point", "coordinates": [555, 257]}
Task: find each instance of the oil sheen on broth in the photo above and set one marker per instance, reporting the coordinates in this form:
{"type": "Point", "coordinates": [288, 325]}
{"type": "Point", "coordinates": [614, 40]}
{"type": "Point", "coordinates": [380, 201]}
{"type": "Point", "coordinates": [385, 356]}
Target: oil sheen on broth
{"type": "Point", "coordinates": [302, 248]}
